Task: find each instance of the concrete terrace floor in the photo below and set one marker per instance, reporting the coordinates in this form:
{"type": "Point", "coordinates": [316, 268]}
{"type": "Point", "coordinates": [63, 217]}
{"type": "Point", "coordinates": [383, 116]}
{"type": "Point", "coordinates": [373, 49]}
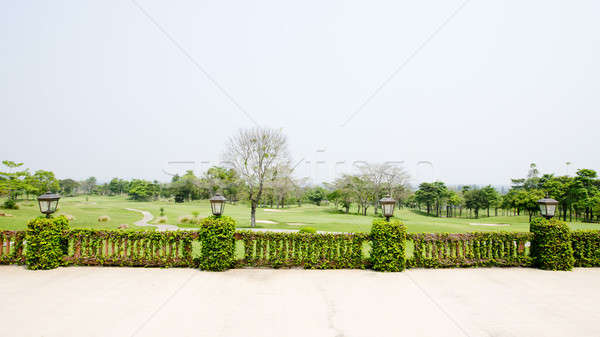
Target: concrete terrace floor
{"type": "Point", "coordinates": [96, 301]}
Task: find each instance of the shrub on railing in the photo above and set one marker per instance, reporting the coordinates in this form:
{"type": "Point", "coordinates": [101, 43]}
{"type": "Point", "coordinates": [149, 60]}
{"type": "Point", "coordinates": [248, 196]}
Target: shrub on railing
{"type": "Point", "coordinates": [440, 250]}
{"type": "Point", "coordinates": [551, 244]}
{"type": "Point", "coordinates": [310, 251]}
{"type": "Point", "coordinates": [218, 243]}
{"type": "Point", "coordinates": [46, 244]}
{"type": "Point", "coordinates": [388, 240]}
{"type": "Point", "coordinates": [131, 248]}
{"type": "Point", "coordinates": [11, 247]}
{"type": "Point", "coordinates": [586, 248]}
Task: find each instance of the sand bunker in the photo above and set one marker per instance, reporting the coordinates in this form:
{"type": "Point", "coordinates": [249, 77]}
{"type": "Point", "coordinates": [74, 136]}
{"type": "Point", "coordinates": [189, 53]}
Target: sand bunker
{"type": "Point", "coordinates": [266, 221]}
{"type": "Point", "coordinates": [489, 224]}
{"type": "Point", "coordinates": [274, 210]}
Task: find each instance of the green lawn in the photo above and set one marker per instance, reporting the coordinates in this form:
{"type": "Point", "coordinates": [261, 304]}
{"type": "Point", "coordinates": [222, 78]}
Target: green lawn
{"type": "Point", "coordinates": [85, 213]}
{"type": "Point", "coordinates": [325, 218]}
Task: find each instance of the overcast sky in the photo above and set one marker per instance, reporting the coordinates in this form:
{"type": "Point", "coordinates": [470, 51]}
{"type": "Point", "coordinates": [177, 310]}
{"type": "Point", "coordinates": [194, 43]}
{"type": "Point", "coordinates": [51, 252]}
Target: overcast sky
{"type": "Point", "coordinates": [480, 89]}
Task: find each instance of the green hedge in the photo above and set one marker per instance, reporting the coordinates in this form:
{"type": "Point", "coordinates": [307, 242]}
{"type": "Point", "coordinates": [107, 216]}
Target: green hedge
{"type": "Point", "coordinates": [11, 247]}
{"type": "Point", "coordinates": [586, 248]}
{"type": "Point", "coordinates": [310, 251]}
{"type": "Point", "coordinates": [551, 244]}
{"type": "Point", "coordinates": [46, 243]}
{"type": "Point", "coordinates": [388, 244]}
{"type": "Point", "coordinates": [131, 248]}
{"type": "Point", "coordinates": [479, 249]}
{"type": "Point", "coordinates": [218, 243]}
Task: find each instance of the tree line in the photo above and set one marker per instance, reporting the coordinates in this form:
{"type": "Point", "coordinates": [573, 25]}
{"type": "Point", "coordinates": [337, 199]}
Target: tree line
{"type": "Point", "coordinates": [578, 196]}
{"type": "Point", "coordinates": [260, 173]}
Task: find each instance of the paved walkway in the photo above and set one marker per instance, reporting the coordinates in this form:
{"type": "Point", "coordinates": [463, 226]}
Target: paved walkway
{"type": "Point", "coordinates": [96, 301]}
{"type": "Point", "coordinates": [147, 217]}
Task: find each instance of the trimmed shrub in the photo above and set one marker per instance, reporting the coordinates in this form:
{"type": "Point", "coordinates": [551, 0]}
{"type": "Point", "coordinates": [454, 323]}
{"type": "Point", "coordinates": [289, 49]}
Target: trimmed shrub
{"type": "Point", "coordinates": [162, 219]}
{"type": "Point", "coordinates": [68, 216]}
{"type": "Point", "coordinates": [586, 248]}
{"type": "Point", "coordinates": [310, 230]}
{"type": "Point", "coordinates": [46, 244]}
{"type": "Point", "coordinates": [218, 243]}
{"type": "Point", "coordinates": [131, 248]}
{"type": "Point", "coordinates": [487, 249]}
{"type": "Point", "coordinates": [388, 245]}
{"type": "Point", "coordinates": [551, 244]}
{"type": "Point", "coordinates": [103, 218]}
{"type": "Point", "coordinates": [12, 245]}
{"type": "Point", "coordinates": [184, 219]}
{"type": "Point", "coordinates": [310, 251]}
{"type": "Point", "coordinates": [10, 204]}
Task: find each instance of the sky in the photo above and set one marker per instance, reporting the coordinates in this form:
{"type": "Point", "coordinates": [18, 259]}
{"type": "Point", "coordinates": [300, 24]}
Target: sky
{"type": "Point", "coordinates": [467, 92]}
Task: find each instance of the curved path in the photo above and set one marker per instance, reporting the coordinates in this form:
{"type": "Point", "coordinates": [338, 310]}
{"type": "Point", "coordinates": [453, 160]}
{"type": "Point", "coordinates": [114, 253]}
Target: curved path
{"type": "Point", "coordinates": [148, 217]}
{"type": "Point", "coordinates": [162, 228]}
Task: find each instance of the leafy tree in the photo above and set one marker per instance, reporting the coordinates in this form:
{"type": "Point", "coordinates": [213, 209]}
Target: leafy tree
{"type": "Point", "coordinates": [454, 200]}
{"type": "Point", "coordinates": [140, 190]}
{"type": "Point", "coordinates": [12, 179]}
{"type": "Point", "coordinates": [475, 199]}
{"type": "Point", "coordinates": [432, 194]}
{"type": "Point", "coordinates": [89, 185]}
{"type": "Point", "coordinates": [559, 188]}
{"type": "Point", "coordinates": [118, 186]}
{"type": "Point", "coordinates": [492, 198]}
{"type": "Point", "coordinates": [43, 181]}
{"type": "Point", "coordinates": [68, 186]}
{"type": "Point", "coordinates": [316, 195]}
{"type": "Point", "coordinates": [186, 187]}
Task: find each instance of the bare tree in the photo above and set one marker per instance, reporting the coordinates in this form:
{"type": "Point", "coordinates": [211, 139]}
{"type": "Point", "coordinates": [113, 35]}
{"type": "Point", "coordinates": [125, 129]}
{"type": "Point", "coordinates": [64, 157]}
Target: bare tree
{"type": "Point", "coordinates": [256, 154]}
{"type": "Point", "coordinates": [282, 184]}
{"type": "Point", "coordinates": [299, 187]}
{"type": "Point", "coordinates": [383, 179]}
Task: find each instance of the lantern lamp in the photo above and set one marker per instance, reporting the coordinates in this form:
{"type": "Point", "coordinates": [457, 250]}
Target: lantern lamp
{"type": "Point", "coordinates": [217, 204]}
{"type": "Point", "coordinates": [48, 203]}
{"type": "Point", "coordinates": [388, 204]}
{"type": "Point", "coordinates": [547, 207]}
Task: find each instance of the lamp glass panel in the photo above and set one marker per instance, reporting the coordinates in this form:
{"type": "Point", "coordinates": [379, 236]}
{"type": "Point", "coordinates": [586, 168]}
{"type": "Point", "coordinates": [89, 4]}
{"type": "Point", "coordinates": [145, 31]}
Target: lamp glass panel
{"type": "Point", "coordinates": [217, 207]}
{"type": "Point", "coordinates": [543, 209]}
{"type": "Point", "coordinates": [550, 209]}
{"type": "Point", "coordinates": [53, 205]}
{"type": "Point", "coordinates": [388, 209]}
{"type": "Point", "coordinates": [44, 206]}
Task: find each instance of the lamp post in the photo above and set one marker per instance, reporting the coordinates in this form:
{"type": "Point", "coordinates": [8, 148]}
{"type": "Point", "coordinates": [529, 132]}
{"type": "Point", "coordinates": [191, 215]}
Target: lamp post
{"type": "Point", "coordinates": [547, 207]}
{"type": "Point", "coordinates": [48, 203]}
{"type": "Point", "coordinates": [388, 204]}
{"type": "Point", "coordinates": [217, 204]}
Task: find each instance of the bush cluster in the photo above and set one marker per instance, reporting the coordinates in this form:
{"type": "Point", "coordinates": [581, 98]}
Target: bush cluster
{"type": "Point", "coordinates": [131, 248]}
{"type": "Point", "coordinates": [389, 240]}
{"type": "Point", "coordinates": [46, 242]}
{"type": "Point", "coordinates": [441, 250]}
{"type": "Point", "coordinates": [310, 251]}
{"type": "Point", "coordinates": [49, 243]}
{"type": "Point", "coordinates": [10, 204]}
{"type": "Point", "coordinates": [586, 248]}
{"type": "Point", "coordinates": [11, 247]}
{"type": "Point", "coordinates": [218, 243]}
{"type": "Point", "coordinates": [551, 244]}
{"type": "Point", "coordinates": [307, 229]}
